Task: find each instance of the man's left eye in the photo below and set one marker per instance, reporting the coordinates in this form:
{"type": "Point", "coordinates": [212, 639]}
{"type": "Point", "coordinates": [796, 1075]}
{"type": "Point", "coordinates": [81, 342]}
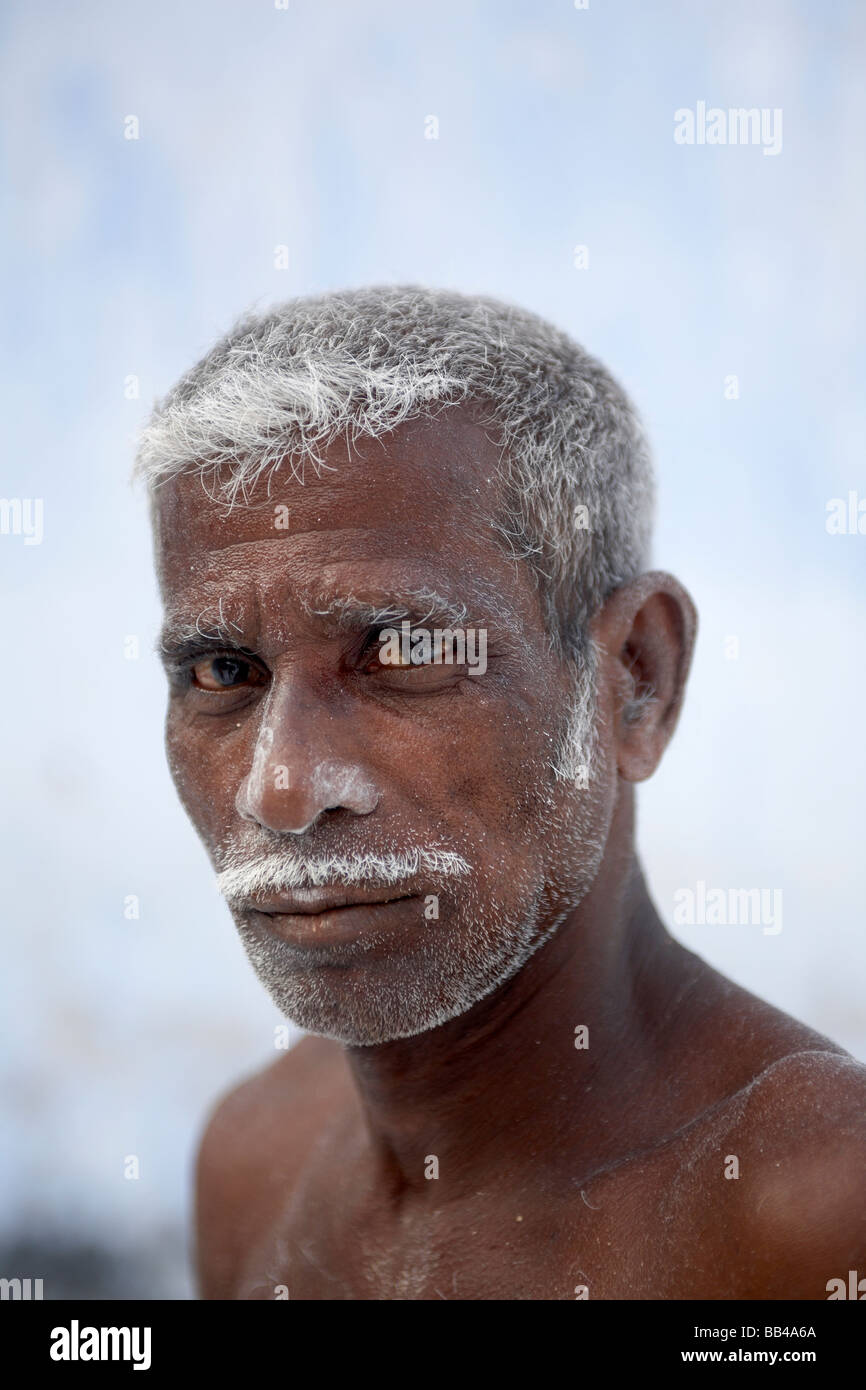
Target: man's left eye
{"type": "Point", "coordinates": [389, 651]}
{"type": "Point", "coordinates": [218, 673]}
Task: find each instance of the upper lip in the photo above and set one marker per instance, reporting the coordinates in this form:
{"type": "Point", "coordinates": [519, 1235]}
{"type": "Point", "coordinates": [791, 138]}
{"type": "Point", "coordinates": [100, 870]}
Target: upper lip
{"type": "Point", "coordinates": [306, 902]}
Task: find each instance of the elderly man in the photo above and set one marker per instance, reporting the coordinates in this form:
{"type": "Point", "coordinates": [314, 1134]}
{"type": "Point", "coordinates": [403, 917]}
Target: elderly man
{"type": "Point", "coordinates": [516, 1084]}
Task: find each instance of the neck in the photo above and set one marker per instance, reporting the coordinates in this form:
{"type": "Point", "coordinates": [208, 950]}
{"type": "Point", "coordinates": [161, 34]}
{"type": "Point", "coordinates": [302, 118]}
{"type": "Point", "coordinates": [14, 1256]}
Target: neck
{"type": "Point", "coordinates": [505, 1086]}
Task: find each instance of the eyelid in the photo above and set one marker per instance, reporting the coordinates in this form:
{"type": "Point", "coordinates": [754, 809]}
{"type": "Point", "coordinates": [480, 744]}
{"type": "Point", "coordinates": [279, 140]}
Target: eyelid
{"type": "Point", "coordinates": [181, 661]}
{"type": "Point", "coordinates": [396, 625]}
{"type": "Point", "coordinates": [369, 649]}
{"type": "Point", "coordinates": [372, 639]}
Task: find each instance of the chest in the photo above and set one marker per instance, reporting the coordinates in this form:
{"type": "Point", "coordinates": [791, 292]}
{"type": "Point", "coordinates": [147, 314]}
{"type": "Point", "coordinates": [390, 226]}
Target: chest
{"type": "Point", "coordinates": [619, 1238]}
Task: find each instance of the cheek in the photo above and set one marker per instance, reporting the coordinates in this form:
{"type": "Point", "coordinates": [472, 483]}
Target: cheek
{"type": "Point", "coordinates": [557, 825]}
{"type": "Point", "coordinates": [203, 769]}
{"type": "Point", "coordinates": [492, 785]}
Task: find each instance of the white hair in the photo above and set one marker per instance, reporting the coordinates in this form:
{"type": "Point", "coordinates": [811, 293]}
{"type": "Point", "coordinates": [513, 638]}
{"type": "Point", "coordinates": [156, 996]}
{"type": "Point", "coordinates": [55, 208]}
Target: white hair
{"type": "Point", "coordinates": [294, 868]}
{"type": "Point", "coordinates": [281, 386]}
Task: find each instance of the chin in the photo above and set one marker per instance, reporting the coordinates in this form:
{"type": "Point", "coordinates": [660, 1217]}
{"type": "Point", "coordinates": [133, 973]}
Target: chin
{"type": "Point", "coordinates": [366, 997]}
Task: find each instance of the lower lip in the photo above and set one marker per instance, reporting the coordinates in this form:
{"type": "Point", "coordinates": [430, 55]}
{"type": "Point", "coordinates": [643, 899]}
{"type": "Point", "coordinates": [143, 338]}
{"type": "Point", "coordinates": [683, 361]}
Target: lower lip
{"type": "Point", "coordinates": [343, 925]}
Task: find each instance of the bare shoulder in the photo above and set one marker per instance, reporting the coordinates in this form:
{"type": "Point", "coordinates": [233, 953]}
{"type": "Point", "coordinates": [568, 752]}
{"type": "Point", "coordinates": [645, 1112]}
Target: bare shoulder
{"type": "Point", "coordinates": [787, 1162]}
{"type": "Point", "coordinates": [810, 1107]}
{"type": "Point", "coordinates": [253, 1143]}
{"type": "Point", "coordinates": [826, 1086]}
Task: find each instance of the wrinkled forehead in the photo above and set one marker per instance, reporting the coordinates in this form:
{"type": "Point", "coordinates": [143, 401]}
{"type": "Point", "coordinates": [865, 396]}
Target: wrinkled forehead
{"type": "Point", "coordinates": [420, 472]}
{"type": "Point", "coordinates": [423, 501]}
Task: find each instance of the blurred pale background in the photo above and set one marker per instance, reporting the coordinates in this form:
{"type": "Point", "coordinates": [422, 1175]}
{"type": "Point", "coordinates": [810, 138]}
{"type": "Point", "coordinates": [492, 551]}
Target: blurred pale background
{"type": "Point", "coordinates": [306, 128]}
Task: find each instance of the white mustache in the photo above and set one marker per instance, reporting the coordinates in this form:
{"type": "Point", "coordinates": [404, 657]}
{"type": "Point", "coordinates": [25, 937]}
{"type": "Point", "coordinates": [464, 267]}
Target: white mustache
{"type": "Point", "coordinates": [244, 878]}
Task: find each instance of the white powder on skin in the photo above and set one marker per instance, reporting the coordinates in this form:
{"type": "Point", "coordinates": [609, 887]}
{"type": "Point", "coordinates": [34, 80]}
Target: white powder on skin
{"type": "Point", "coordinates": [329, 784]}
{"type": "Point", "coordinates": [490, 917]}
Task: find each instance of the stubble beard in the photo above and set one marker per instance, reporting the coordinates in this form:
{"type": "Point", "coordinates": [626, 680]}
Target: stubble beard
{"type": "Point", "coordinates": [368, 993]}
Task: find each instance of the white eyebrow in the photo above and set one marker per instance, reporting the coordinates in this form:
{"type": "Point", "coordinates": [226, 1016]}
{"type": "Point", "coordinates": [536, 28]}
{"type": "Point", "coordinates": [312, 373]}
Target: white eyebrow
{"type": "Point", "coordinates": [177, 631]}
{"type": "Point", "coordinates": [423, 605]}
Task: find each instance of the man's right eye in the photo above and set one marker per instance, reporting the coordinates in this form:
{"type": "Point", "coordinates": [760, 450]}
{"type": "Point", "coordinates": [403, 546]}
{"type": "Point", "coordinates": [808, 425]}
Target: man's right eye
{"type": "Point", "coordinates": [219, 674]}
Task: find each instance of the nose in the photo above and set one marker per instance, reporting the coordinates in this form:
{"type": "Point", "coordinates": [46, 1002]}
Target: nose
{"type": "Point", "coordinates": [304, 763]}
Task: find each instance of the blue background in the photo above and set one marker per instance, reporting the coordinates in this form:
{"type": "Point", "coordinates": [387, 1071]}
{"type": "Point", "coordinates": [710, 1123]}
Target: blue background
{"type": "Point", "coordinates": [305, 127]}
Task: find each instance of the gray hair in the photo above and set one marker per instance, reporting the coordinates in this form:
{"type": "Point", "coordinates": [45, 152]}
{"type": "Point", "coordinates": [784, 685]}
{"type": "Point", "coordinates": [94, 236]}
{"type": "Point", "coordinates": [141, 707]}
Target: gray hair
{"type": "Point", "coordinates": [281, 386]}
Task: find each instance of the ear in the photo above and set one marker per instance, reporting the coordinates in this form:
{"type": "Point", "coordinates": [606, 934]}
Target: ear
{"type": "Point", "coordinates": [646, 632]}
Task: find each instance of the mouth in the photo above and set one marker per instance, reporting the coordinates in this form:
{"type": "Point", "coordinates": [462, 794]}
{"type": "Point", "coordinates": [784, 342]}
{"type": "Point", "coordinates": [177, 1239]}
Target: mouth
{"type": "Point", "coordinates": [314, 902]}
{"type": "Point", "coordinates": [335, 916]}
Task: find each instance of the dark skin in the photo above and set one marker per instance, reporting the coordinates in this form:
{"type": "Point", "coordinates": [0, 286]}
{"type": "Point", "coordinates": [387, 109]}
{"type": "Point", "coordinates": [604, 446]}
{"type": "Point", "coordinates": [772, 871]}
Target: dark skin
{"type": "Point", "coordinates": [562, 1172]}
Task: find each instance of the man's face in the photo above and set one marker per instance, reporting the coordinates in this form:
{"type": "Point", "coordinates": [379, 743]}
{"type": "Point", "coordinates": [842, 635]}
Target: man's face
{"type": "Point", "coordinates": [304, 761]}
